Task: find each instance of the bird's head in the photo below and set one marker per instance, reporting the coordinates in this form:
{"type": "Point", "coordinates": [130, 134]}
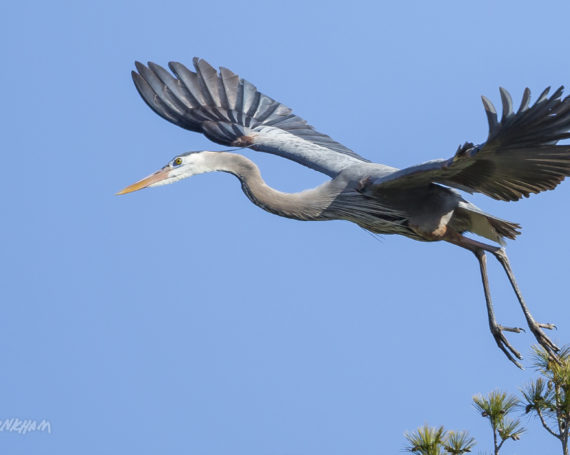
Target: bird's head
{"type": "Point", "coordinates": [180, 167]}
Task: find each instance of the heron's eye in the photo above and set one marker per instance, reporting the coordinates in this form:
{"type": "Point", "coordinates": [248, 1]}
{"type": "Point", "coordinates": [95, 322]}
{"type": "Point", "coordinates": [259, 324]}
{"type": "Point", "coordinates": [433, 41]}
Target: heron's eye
{"type": "Point", "coordinates": [177, 161]}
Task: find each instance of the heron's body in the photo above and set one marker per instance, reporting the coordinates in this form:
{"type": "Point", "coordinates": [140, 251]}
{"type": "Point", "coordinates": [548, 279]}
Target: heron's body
{"type": "Point", "coordinates": [521, 156]}
{"type": "Point", "coordinates": [421, 214]}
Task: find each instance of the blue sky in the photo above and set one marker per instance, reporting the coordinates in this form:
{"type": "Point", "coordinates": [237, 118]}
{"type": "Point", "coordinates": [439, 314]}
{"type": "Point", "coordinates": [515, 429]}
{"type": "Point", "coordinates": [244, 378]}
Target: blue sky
{"type": "Point", "coordinates": [184, 319]}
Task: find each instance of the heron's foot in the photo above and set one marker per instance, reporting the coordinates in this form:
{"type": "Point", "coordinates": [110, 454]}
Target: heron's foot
{"type": "Point", "coordinates": [547, 326]}
{"type": "Point", "coordinates": [543, 340]}
{"type": "Point", "coordinates": [503, 343]}
{"type": "Point", "coordinates": [511, 329]}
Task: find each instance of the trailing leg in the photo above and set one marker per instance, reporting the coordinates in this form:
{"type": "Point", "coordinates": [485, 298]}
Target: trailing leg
{"type": "Point", "coordinates": [479, 249]}
{"type": "Point", "coordinates": [496, 329]}
{"type": "Point", "coordinates": [535, 327]}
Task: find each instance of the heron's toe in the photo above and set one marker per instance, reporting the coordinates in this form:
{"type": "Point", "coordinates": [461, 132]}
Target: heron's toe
{"type": "Point", "coordinates": [504, 345]}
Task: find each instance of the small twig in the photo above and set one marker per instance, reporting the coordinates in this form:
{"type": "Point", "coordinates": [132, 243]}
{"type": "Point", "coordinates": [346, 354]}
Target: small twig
{"type": "Point", "coordinates": [545, 425]}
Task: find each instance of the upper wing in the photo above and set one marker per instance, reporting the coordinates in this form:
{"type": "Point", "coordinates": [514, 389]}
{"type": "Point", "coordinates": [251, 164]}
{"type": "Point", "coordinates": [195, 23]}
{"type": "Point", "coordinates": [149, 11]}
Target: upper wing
{"type": "Point", "coordinates": [520, 156]}
{"type": "Point", "coordinates": [230, 111]}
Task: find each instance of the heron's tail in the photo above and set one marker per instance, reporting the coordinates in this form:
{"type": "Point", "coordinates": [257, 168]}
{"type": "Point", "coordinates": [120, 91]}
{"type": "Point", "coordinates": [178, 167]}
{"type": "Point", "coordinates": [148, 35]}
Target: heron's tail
{"type": "Point", "coordinates": [473, 219]}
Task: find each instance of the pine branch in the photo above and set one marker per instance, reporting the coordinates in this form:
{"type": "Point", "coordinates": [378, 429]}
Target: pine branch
{"type": "Point", "coordinates": [545, 425]}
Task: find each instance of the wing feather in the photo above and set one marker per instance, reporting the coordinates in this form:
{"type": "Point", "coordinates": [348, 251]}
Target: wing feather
{"type": "Point", "coordinates": [189, 80]}
{"type": "Point", "coordinates": [491, 114]}
{"type": "Point", "coordinates": [231, 111]}
{"type": "Point", "coordinates": [155, 102]}
{"type": "Point", "coordinates": [507, 105]}
{"type": "Point", "coordinates": [521, 155]}
{"type": "Point", "coordinates": [524, 101]}
{"type": "Point", "coordinates": [230, 84]}
{"type": "Point", "coordinates": [208, 80]}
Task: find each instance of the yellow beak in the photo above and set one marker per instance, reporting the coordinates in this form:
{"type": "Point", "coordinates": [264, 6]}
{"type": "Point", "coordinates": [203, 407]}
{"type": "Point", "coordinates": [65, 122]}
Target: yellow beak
{"type": "Point", "coordinates": [153, 178]}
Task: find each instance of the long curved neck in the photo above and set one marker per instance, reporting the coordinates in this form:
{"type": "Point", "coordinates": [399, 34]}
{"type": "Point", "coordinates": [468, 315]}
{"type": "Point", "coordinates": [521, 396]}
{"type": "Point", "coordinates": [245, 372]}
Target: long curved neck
{"type": "Point", "coordinates": [305, 205]}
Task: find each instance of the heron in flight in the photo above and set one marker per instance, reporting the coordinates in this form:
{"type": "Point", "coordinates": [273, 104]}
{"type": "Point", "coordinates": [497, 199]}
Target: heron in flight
{"type": "Point", "coordinates": [520, 156]}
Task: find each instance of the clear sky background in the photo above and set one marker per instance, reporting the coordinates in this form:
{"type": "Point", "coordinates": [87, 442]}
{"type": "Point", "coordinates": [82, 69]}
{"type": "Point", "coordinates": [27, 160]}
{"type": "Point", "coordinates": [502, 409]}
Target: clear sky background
{"type": "Point", "coordinates": [184, 319]}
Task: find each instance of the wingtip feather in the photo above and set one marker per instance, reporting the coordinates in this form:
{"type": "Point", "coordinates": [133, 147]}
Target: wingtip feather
{"type": "Point", "coordinates": [543, 95]}
{"type": "Point", "coordinates": [525, 101]}
{"type": "Point", "coordinates": [507, 103]}
{"type": "Point", "coordinates": [491, 114]}
{"type": "Point", "coordinates": [139, 66]}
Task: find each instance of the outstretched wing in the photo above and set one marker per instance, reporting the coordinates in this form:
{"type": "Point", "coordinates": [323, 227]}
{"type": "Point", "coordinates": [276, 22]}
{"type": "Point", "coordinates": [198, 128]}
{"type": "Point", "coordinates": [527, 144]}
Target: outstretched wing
{"type": "Point", "coordinates": [520, 156]}
{"type": "Point", "coordinates": [231, 111]}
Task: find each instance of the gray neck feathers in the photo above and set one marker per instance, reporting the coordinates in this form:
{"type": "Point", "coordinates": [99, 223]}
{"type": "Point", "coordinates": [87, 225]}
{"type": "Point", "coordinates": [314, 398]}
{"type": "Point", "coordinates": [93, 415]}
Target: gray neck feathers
{"type": "Point", "coordinates": [306, 205]}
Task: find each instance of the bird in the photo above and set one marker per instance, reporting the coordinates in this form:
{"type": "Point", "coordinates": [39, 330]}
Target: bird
{"type": "Point", "coordinates": [521, 156]}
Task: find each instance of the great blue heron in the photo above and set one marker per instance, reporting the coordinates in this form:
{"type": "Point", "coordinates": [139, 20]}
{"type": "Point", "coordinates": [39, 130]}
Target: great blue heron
{"type": "Point", "coordinates": [519, 157]}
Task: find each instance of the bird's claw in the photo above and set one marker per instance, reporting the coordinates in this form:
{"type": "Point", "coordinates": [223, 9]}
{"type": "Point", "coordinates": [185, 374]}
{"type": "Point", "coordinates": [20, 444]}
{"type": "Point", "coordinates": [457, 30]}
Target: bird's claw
{"type": "Point", "coordinates": [548, 326]}
{"type": "Point", "coordinates": [503, 343]}
{"type": "Point", "coordinates": [511, 329]}
{"type": "Point", "coordinates": [543, 340]}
